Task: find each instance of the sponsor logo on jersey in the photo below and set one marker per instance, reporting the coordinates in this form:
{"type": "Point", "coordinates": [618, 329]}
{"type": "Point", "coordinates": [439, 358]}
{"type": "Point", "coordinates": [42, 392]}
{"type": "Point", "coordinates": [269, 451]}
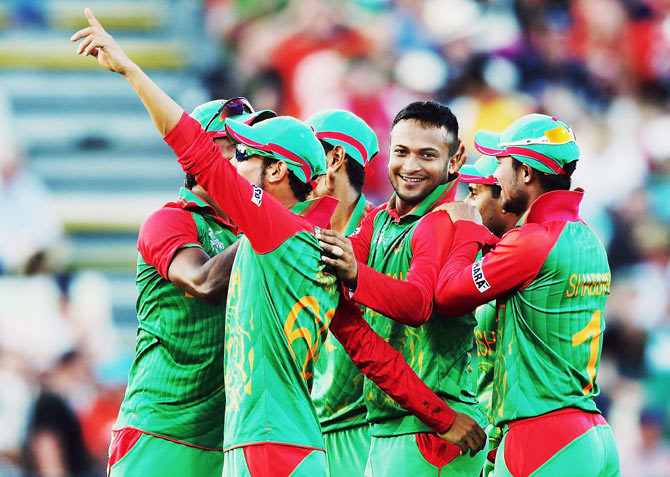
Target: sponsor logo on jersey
{"type": "Point", "coordinates": [257, 196]}
{"type": "Point", "coordinates": [478, 277]}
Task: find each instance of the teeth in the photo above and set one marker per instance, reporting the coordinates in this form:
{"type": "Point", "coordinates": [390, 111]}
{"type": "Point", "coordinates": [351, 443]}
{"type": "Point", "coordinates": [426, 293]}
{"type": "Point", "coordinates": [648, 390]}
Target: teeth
{"type": "Point", "coordinates": [411, 180]}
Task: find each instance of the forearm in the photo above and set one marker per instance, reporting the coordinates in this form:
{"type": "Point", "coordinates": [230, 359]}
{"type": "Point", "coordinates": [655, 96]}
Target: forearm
{"type": "Point", "coordinates": [211, 284]}
{"type": "Point", "coordinates": [400, 300]}
{"type": "Point", "coordinates": [164, 111]}
{"type": "Point", "coordinates": [387, 368]}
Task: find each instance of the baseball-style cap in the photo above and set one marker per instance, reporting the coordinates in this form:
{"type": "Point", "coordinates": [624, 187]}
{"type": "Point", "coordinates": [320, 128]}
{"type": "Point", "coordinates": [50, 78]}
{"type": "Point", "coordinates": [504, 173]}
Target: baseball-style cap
{"type": "Point", "coordinates": [343, 128]}
{"type": "Point", "coordinates": [481, 172]}
{"type": "Point", "coordinates": [283, 138]}
{"type": "Point", "coordinates": [212, 114]}
{"type": "Point", "coordinates": [543, 142]}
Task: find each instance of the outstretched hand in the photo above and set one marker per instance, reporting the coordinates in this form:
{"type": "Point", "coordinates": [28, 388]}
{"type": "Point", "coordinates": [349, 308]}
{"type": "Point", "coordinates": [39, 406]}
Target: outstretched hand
{"type": "Point", "coordinates": [465, 433]}
{"type": "Point", "coordinates": [100, 44]}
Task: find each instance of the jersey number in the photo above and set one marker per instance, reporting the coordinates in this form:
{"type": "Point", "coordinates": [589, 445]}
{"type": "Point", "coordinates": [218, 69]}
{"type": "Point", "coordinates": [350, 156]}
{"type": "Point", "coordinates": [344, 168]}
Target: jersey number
{"type": "Point", "coordinates": [591, 330]}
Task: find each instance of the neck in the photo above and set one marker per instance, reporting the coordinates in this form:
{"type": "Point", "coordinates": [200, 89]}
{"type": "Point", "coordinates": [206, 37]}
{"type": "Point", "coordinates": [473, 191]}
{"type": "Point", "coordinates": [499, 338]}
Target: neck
{"type": "Point", "coordinates": [402, 207]}
{"type": "Point", "coordinates": [282, 193]}
{"type": "Point", "coordinates": [348, 198]}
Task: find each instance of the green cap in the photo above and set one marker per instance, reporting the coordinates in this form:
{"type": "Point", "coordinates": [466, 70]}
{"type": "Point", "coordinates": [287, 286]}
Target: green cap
{"type": "Point", "coordinates": [343, 128]}
{"type": "Point", "coordinates": [206, 111]}
{"type": "Point", "coordinates": [283, 138]}
{"type": "Point", "coordinates": [481, 172]}
{"type": "Point", "coordinates": [543, 142]}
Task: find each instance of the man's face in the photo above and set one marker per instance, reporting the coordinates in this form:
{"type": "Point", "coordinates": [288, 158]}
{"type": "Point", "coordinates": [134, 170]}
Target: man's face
{"type": "Point", "coordinates": [514, 196]}
{"type": "Point", "coordinates": [251, 169]}
{"type": "Point", "coordinates": [321, 188]}
{"type": "Point", "coordinates": [227, 147]}
{"type": "Point", "coordinates": [490, 208]}
{"type": "Point", "coordinates": [418, 161]}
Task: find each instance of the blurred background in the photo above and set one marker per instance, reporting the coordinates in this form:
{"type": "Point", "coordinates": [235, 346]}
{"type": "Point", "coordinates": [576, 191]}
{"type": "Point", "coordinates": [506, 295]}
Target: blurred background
{"type": "Point", "coordinates": [81, 166]}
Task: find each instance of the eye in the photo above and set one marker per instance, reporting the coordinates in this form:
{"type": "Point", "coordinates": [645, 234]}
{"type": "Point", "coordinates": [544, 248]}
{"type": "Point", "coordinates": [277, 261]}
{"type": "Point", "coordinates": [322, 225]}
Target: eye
{"type": "Point", "coordinates": [399, 152]}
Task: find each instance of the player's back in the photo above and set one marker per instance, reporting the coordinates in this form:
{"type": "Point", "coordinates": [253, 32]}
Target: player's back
{"type": "Point", "coordinates": [550, 331]}
{"type": "Point", "coordinates": [279, 307]}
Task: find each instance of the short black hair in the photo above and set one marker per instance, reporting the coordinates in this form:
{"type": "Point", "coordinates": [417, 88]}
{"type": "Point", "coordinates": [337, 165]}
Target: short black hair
{"type": "Point", "coordinates": [550, 182]}
{"type": "Point", "coordinates": [300, 189]}
{"type": "Point", "coordinates": [432, 113]}
{"type": "Point", "coordinates": [355, 171]}
{"type": "Point", "coordinates": [190, 182]}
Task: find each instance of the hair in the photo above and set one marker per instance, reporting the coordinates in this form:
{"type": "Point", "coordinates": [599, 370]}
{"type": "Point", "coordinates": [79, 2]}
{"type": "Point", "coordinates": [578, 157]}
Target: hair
{"type": "Point", "coordinates": [495, 191]}
{"type": "Point", "coordinates": [299, 188]}
{"type": "Point", "coordinates": [355, 171]}
{"type": "Point", "coordinates": [550, 182]}
{"type": "Point", "coordinates": [190, 182]}
{"type": "Point", "coordinates": [432, 113]}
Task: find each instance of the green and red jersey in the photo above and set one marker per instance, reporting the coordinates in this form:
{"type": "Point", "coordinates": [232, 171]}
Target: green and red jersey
{"type": "Point", "coordinates": [399, 262]}
{"type": "Point", "coordinates": [175, 386]}
{"type": "Point", "coordinates": [280, 303]}
{"type": "Point", "coordinates": [338, 383]}
{"type": "Point", "coordinates": [551, 279]}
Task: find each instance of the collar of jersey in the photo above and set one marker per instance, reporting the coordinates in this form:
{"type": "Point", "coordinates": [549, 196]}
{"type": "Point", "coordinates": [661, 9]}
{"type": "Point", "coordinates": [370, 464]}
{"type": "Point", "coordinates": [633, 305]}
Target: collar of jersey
{"type": "Point", "coordinates": [356, 215]}
{"type": "Point", "coordinates": [440, 195]}
{"type": "Point", "coordinates": [318, 211]}
{"type": "Point", "coordinates": [555, 205]}
{"type": "Point", "coordinates": [189, 201]}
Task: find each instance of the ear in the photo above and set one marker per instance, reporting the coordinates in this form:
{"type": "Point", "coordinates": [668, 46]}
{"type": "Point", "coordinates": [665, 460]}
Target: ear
{"type": "Point", "coordinates": [528, 174]}
{"type": "Point", "coordinates": [336, 158]}
{"type": "Point", "coordinates": [457, 160]}
{"type": "Point", "coordinates": [276, 172]}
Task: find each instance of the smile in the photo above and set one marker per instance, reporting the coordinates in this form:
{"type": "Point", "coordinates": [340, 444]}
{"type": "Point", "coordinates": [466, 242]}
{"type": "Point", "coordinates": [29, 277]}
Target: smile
{"type": "Point", "coordinates": [413, 180]}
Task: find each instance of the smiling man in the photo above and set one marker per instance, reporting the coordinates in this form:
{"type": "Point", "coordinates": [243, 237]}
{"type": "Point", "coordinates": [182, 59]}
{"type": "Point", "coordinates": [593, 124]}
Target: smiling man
{"type": "Point", "coordinates": [391, 268]}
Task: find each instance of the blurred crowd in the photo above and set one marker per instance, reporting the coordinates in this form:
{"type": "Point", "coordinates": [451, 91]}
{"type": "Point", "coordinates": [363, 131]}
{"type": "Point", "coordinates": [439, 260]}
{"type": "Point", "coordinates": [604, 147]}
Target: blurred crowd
{"type": "Point", "coordinates": [602, 66]}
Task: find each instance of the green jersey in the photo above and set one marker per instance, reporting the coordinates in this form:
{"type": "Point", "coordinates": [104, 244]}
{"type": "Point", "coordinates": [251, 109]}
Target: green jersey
{"type": "Point", "coordinates": [401, 252]}
{"type": "Point", "coordinates": [551, 278]}
{"type": "Point", "coordinates": [175, 385]}
{"type": "Point", "coordinates": [338, 384]}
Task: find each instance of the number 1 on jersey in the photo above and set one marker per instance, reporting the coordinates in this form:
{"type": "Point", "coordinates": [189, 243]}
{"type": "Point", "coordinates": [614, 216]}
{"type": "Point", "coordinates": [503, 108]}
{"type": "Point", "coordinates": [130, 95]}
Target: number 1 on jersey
{"type": "Point", "coordinates": [591, 330]}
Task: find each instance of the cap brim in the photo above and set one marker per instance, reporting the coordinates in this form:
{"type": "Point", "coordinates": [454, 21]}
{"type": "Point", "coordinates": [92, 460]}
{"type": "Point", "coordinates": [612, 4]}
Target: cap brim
{"type": "Point", "coordinates": [487, 142]}
{"type": "Point", "coordinates": [471, 175]}
{"type": "Point", "coordinates": [242, 133]}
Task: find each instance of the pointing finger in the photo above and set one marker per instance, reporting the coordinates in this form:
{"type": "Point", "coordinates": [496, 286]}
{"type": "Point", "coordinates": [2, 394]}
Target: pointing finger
{"type": "Point", "coordinates": [91, 19]}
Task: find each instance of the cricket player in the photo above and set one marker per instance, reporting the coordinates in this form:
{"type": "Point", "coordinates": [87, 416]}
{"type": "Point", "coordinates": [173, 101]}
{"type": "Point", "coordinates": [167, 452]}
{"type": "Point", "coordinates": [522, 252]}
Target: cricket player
{"type": "Point", "coordinates": [171, 416]}
{"type": "Point", "coordinates": [391, 267]}
{"type": "Point", "coordinates": [280, 297]}
{"type": "Point", "coordinates": [349, 144]}
{"type": "Point", "coordinates": [551, 279]}
{"type": "Point", "coordinates": [485, 194]}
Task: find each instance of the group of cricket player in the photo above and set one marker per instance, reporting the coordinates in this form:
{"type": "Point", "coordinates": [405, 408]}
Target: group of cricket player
{"type": "Point", "coordinates": [287, 327]}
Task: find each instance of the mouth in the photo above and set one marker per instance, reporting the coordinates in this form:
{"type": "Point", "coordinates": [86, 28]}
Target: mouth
{"type": "Point", "coordinates": [411, 180]}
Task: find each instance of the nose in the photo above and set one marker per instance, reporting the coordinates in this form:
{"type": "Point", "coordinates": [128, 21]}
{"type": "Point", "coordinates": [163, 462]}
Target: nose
{"type": "Point", "coordinates": [411, 163]}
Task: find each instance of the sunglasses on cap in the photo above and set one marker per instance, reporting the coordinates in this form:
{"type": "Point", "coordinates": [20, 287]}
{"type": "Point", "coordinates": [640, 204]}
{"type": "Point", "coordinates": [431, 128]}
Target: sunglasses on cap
{"type": "Point", "coordinates": [230, 108]}
{"type": "Point", "coordinates": [558, 135]}
{"type": "Point", "coordinates": [243, 152]}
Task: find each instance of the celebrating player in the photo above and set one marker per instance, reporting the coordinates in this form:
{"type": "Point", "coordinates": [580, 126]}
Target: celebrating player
{"type": "Point", "coordinates": [172, 412]}
{"type": "Point", "coordinates": [485, 194]}
{"type": "Point", "coordinates": [551, 279]}
{"type": "Point", "coordinates": [400, 249]}
{"type": "Point", "coordinates": [349, 144]}
{"type": "Point", "coordinates": [280, 298]}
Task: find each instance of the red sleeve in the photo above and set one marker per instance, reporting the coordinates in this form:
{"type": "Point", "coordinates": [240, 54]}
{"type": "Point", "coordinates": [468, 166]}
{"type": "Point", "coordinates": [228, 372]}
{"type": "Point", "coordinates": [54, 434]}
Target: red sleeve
{"type": "Point", "coordinates": [162, 234]}
{"type": "Point", "coordinates": [409, 301]}
{"type": "Point", "coordinates": [262, 219]}
{"type": "Point", "coordinates": [387, 368]}
{"type": "Point", "coordinates": [512, 264]}
{"type": "Point", "coordinates": [360, 241]}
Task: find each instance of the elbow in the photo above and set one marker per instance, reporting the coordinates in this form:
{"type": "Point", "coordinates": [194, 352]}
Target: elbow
{"type": "Point", "coordinates": [213, 294]}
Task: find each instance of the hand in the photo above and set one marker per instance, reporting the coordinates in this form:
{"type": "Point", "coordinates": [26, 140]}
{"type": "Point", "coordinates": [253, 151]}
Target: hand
{"type": "Point", "coordinates": [465, 433]}
{"type": "Point", "coordinates": [341, 258]}
{"type": "Point", "coordinates": [461, 211]}
{"type": "Point", "coordinates": [100, 44]}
